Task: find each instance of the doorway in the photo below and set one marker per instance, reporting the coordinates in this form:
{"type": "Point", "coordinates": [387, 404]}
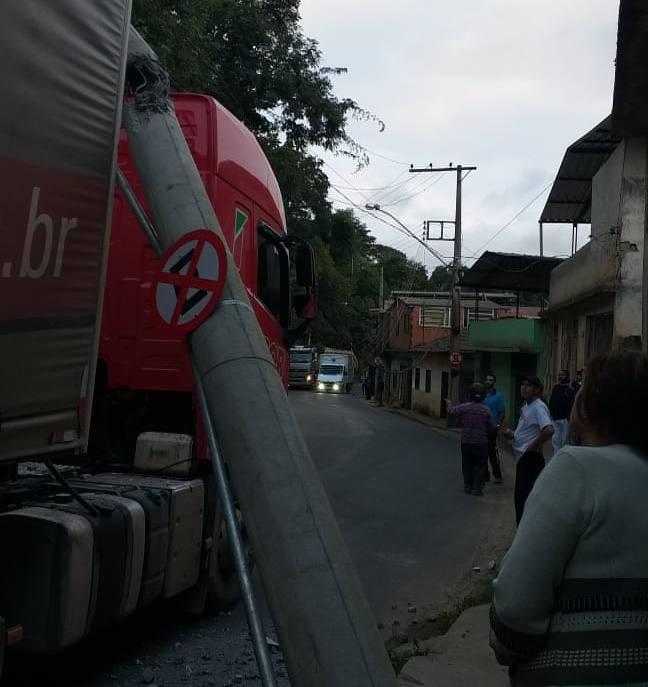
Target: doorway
{"type": "Point", "coordinates": [445, 390]}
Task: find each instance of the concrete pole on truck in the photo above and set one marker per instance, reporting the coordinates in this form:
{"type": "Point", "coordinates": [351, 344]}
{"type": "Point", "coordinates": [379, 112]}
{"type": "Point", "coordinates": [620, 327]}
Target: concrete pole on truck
{"type": "Point", "coordinates": [327, 633]}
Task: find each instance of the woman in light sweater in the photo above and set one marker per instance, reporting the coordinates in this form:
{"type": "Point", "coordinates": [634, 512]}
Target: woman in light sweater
{"type": "Point", "coordinates": [570, 603]}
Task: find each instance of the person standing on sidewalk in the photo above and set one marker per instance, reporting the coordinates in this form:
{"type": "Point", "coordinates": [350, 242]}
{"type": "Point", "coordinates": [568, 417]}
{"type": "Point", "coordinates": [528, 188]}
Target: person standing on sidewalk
{"type": "Point", "coordinates": [560, 405]}
{"type": "Point", "coordinates": [494, 401]}
{"type": "Point", "coordinates": [533, 430]}
{"type": "Point", "coordinates": [569, 604]}
{"type": "Point", "coordinates": [476, 424]}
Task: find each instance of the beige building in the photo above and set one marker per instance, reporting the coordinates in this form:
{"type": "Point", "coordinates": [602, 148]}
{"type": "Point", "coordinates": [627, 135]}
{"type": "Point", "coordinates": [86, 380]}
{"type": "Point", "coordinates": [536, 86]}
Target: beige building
{"type": "Point", "coordinates": [595, 296]}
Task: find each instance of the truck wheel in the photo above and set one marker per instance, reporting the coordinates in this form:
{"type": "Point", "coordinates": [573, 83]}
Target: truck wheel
{"type": "Point", "coordinates": [223, 587]}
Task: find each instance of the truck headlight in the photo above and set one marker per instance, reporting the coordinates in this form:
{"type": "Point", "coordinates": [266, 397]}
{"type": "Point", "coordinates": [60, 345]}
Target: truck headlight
{"type": "Point", "coordinates": [321, 387]}
{"type": "Point", "coordinates": [336, 387]}
{"type": "Point", "coordinates": [309, 378]}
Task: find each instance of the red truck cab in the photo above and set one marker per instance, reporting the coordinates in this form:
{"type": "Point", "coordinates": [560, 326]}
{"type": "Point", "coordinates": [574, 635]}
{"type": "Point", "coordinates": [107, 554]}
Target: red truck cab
{"type": "Point", "coordinates": [144, 379]}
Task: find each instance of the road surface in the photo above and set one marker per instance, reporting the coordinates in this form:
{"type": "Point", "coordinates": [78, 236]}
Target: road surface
{"type": "Point", "coordinates": [395, 486]}
{"type": "Point", "coordinates": [396, 489]}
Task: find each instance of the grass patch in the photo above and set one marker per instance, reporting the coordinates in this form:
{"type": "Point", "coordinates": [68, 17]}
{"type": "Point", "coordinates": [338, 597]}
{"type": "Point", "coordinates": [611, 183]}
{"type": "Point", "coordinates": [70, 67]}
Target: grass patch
{"type": "Point", "coordinates": [481, 594]}
{"type": "Point", "coordinates": [400, 658]}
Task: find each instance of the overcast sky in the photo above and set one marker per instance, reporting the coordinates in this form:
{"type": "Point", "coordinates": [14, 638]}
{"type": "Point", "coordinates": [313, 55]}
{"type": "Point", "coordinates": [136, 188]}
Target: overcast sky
{"type": "Point", "coordinates": [503, 85]}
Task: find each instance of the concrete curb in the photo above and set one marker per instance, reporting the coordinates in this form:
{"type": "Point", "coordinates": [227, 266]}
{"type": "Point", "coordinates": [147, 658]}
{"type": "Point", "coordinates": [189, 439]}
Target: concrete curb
{"type": "Point", "coordinates": [460, 658]}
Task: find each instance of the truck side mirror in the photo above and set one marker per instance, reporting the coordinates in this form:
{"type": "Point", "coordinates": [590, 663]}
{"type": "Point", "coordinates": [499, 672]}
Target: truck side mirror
{"type": "Point", "coordinates": [304, 264]}
{"type": "Point", "coordinates": [305, 306]}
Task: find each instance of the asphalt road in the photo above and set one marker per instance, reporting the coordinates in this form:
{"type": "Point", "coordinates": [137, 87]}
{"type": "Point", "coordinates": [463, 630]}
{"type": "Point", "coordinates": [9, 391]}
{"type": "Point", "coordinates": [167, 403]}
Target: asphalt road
{"type": "Point", "coordinates": [395, 486]}
{"type": "Point", "coordinates": [396, 489]}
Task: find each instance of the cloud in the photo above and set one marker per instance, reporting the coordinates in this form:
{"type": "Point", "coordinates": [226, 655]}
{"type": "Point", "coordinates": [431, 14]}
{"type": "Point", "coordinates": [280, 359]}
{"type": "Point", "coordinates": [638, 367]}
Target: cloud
{"type": "Point", "coordinates": [505, 85]}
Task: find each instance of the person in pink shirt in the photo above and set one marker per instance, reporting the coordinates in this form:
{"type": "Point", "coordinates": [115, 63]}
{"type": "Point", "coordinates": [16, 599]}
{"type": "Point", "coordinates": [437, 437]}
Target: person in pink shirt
{"type": "Point", "coordinates": [476, 422]}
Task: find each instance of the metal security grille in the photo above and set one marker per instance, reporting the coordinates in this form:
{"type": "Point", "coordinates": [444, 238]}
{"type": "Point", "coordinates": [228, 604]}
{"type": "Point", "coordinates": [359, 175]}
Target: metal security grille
{"type": "Point", "coordinates": [599, 334]}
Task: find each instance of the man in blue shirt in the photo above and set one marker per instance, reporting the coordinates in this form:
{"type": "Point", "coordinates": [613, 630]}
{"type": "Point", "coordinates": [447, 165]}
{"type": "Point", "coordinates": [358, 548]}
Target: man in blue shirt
{"type": "Point", "coordinates": [495, 403]}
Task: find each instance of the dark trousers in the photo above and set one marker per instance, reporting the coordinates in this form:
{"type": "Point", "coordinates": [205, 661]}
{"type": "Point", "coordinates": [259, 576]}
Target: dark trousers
{"type": "Point", "coordinates": [529, 466]}
{"type": "Point", "coordinates": [380, 390]}
{"type": "Point", "coordinates": [493, 457]}
{"type": "Point", "coordinates": [473, 465]}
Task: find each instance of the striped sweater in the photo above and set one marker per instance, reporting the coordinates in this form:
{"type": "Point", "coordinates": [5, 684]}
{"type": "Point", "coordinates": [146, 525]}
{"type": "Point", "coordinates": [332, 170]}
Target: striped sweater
{"type": "Point", "coordinates": [571, 596]}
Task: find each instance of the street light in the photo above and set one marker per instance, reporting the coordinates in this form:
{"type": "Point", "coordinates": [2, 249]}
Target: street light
{"type": "Point", "coordinates": [376, 208]}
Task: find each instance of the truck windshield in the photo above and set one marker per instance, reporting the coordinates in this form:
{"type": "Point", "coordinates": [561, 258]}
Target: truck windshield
{"type": "Point", "coordinates": [300, 357]}
{"type": "Point", "coordinates": [331, 369]}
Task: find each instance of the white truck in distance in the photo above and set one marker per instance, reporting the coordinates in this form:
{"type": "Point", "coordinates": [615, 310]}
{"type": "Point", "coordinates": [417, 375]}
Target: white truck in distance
{"type": "Point", "coordinates": [336, 371]}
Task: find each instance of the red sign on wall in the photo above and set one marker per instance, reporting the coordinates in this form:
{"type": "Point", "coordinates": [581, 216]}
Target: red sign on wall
{"type": "Point", "coordinates": [456, 358]}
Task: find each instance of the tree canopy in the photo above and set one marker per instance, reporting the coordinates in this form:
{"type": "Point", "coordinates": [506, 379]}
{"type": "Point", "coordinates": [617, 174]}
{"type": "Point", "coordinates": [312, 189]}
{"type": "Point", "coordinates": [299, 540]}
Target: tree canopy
{"type": "Point", "coordinates": [252, 56]}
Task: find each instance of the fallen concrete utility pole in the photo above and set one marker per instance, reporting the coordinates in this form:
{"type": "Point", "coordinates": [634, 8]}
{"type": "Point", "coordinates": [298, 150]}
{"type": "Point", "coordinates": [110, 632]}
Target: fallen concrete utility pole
{"type": "Point", "coordinates": [327, 633]}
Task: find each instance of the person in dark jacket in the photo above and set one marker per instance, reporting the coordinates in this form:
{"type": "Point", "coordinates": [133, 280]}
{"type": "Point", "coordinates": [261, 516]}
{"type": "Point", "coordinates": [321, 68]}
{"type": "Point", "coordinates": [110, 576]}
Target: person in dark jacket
{"type": "Point", "coordinates": [476, 422]}
{"type": "Point", "coordinates": [379, 371]}
{"type": "Point", "coordinates": [368, 382]}
{"type": "Point", "coordinates": [560, 405]}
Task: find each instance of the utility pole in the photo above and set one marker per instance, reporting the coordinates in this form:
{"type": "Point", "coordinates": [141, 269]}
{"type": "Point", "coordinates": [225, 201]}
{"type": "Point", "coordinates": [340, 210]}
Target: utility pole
{"type": "Point", "coordinates": [381, 298]}
{"type": "Point", "coordinates": [380, 332]}
{"type": "Point", "coordinates": [454, 357]}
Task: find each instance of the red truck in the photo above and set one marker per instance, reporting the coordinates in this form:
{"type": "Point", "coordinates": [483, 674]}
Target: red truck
{"type": "Point", "coordinates": [106, 503]}
{"type": "Point", "coordinates": [134, 518]}
{"type": "Point", "coordinates": [144, 380]}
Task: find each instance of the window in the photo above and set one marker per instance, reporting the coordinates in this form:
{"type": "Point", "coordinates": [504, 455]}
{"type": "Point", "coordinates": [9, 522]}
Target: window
{"type": "Point", "coordinates": [428, 381]}
{"type": "Point", "coordinates": [473, 314]}
{"type": "Point", "coordinates": [434, 316]}
{"type": "Point", "coordinates": [417, 378]}
{"type": "Point", "coordinates": [302, 356]}
{"type": "Point", "coordinates": [273, 271]}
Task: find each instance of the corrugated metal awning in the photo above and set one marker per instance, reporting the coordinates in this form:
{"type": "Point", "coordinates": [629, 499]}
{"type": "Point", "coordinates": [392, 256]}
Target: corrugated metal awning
{"type": "Point", "coordinates": [570, 198]}
{"type": "Point", "coordinates": [630, 104]}
{"type": "Point", "coordinates": [511, 272]}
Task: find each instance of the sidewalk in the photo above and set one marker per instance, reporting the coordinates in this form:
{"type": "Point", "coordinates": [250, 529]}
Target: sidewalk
{"type": "Point", "coordinates": [460, 658]}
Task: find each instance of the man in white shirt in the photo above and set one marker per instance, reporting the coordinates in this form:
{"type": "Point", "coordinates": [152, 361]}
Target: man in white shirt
{"type": "Point", "coordinates": [534, 428]}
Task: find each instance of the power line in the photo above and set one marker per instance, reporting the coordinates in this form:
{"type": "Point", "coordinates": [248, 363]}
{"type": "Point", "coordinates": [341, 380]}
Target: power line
{"type": "Point", "coordinates": [434, 252]}
{"type": "Point", "coordinates": [508, 224]}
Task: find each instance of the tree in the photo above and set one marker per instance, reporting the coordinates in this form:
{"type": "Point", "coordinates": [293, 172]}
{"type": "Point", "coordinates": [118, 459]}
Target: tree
{"type": "Point", "coordinates": [401, 273]}
{"type": "Point", "coordinates": [440, 279]}
{"type": "Point", "coordinates": [253, 57]}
